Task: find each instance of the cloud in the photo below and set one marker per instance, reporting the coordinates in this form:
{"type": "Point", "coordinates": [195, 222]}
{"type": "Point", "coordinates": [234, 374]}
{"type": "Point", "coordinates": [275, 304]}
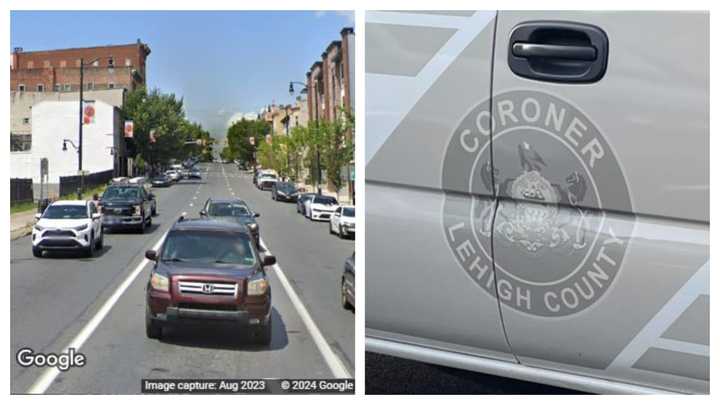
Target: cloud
{"type": "Point", "coordinates": [348, 14]}
{"type": "Point", "coordinates": [240, 115]}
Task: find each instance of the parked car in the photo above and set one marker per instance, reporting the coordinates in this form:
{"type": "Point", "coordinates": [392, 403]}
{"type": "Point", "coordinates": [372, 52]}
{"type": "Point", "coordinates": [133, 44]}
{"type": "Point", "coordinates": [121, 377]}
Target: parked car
{"type": "Point", "coordinates": [342, 221]}
{"type": "Point", "coordinates": [236, 210]}
{"type": "Point", "coordinates": [68, 225]}
{"type": "Point", "coordinates": [347, 283]}
{"type": "Point", "coordinates": [266, 181]}
{"type": "Point", "coordinates": [284, 191]}
{"type": "Point", "coordinates": [195, 174]}
{"type": "Point", "coordinates": [300, 202]}
{"type": "Point", "coordinates": [161, 181]}
{"type": "Point", "coordinates": [320, 207]}
{"type": "Point", "coordinates": [174, 175]}
{"type": "Point", "coordinates": [564, 195]}
{"type": "Point", "coordinates": [126, 206]}
{"type": "Point", "coordinates": [209, 271]}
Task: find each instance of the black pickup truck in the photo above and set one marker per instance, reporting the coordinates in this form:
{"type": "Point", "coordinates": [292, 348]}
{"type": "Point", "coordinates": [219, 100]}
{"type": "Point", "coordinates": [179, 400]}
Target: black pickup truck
{"type": "Point", "coordinates": [126, 206]}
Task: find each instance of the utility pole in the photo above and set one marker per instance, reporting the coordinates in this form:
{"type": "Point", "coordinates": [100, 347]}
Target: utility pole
{"type": "Point", "coordinates": [80, 135]}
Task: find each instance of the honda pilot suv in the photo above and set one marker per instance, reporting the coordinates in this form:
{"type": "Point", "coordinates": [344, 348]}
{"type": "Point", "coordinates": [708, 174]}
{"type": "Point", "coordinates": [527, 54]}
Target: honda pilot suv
{"type": "Point", "coordinates": [209, 272]}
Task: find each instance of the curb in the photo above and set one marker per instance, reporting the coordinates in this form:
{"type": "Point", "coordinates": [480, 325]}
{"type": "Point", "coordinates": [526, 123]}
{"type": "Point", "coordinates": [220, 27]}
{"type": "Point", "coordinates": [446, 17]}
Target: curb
{"type": "Point", "coordinates": [21, 232]}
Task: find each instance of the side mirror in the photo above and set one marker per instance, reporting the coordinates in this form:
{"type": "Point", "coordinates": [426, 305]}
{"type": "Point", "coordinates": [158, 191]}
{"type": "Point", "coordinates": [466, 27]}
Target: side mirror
{"type": "Point", "coordinates": [256, 214]}
{"type": "Point", "coordinates": [269, 260]}
{"type": "Point", "coordinates": [203, 213]}
{"type": "Point", "coordinates": [151, 255]}
{"type": "Point", "coordinates": [38, 216]}
{"type": "Point", "coordinates": [96, 216]}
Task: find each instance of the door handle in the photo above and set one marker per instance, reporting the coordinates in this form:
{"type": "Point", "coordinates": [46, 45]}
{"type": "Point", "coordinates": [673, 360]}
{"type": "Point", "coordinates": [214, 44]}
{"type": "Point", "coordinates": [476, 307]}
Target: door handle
{"type": "Point", "coordinates": [527, 50]}
{"type": "Point", "coordinates": [562, 52]}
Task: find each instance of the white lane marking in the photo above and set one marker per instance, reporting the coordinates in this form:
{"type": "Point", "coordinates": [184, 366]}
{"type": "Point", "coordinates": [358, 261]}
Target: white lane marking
{"type": "Point", "coordinates": [48, 376]}
{"type": "Point", "coordinates": [191, 204]}
{"type": "Point", "coordinates": [337, 367]}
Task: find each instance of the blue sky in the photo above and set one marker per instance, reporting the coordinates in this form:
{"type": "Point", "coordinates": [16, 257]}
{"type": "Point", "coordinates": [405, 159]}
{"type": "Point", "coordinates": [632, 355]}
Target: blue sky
{"type": "Point", "coordinates": [221, 62]}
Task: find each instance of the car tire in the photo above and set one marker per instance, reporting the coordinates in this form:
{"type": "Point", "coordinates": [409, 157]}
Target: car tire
{"type": "Point", "coordinates": [330, 228]}
{"type": "Point", "coordinates": [341, 233]}
{"type": "Point", "coordinates": [343, 298]}
{"type": "Point", "coordinates": [141, 228]}
{"type": "Point", "coordinates": [37, 252]}
{"type": "Point", "coordinates": [154, 211]}
{"type": "Point", "coordinates": [262, 335]}
{"type": "Point", "coordinates": [153, 329]}
{"type": "Point", "coordinates": [90, 250]}
{"type": "Point", "coordinates": [100, 242]}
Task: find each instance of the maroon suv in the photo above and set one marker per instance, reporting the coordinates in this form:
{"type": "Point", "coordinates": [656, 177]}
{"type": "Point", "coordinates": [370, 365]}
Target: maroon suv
{"type": "Point", "coordinates": [209, 271]}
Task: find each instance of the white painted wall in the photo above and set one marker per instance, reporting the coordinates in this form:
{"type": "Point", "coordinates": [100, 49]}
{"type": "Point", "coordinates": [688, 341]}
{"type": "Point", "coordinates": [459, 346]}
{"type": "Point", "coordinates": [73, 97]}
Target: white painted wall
{"type": "Point", "coordinates": [53, 121]}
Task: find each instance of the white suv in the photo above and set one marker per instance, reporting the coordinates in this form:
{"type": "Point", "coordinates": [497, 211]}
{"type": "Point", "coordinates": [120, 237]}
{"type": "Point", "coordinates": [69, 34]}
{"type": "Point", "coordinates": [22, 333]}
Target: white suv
{"type": "Point", "coordinates": [68, 225]}
{"type": "Point", "coordinates": [320, 207]}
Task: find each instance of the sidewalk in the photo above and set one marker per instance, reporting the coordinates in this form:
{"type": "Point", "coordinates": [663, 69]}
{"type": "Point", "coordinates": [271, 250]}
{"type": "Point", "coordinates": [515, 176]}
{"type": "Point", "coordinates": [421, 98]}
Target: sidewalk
{"type": "Point", "coordinates": [21, 223]}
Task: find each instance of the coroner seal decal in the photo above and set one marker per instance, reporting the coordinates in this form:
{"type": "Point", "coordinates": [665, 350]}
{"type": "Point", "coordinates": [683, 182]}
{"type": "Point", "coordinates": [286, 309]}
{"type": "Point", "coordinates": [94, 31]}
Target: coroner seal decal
{"type": "Point", "coordinates": [535, 203]}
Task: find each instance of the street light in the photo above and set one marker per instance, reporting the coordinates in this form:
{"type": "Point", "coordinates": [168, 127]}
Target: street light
{"type": "Point", "coordinates": [80, 130]}
{"type": "Point", "coordinates": [317, 150]}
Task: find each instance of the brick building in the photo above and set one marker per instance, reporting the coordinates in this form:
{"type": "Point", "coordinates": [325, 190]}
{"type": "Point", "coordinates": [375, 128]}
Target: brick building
{"type": "Point", "coordinates": [330, 89]}
{"type": "Point", "coordinates": [330, 81]}
{"type": "Point", "coordinates": [106, 67]}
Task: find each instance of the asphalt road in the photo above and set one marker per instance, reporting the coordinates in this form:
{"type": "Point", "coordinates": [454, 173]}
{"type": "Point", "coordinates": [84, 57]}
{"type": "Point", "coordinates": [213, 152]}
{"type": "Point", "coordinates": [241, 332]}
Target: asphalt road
{"type": "Point", "coordinates": [55, 298]}
{"type": "Point", "coordinates": [393, 375]}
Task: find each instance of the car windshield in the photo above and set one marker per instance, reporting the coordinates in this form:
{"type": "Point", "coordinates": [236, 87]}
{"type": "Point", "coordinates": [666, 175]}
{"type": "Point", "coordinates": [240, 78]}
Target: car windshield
{"type": "Point", "coordinates": [268, 176]}
{"type": "Point", "coordinates": [65, 212]}
{"type": "Point", "coordinates": [225, 209]}
{"type": "Point", "coordinates": [208, 247]}
{"type": "Point", "coordinates": [160, 178]}
{"type": "Point", "coordinates": [349, 212]}
{"type": "Point", "coordinates": [121, 193]}
{"type": "Point", "coordinates": [325, 200]}
{"type": "Point", "coordinates": [287, 187]}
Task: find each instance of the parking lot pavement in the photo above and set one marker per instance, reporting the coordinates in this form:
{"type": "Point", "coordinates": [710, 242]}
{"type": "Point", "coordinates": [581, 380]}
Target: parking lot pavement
{"type": "Point", "coordinates": [393, 375]}
{"type": "Point", "coordinates": [56, 299]}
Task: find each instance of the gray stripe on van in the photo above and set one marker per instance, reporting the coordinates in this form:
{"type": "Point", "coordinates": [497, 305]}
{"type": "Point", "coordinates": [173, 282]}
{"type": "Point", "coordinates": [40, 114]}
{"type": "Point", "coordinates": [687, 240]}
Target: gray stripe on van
{"type": "Point", "coordinates": [693, 325]}
{"type": "Point", "coordinates": [676, 363]}
{"type": "Point", "coordinates": [402, 50]}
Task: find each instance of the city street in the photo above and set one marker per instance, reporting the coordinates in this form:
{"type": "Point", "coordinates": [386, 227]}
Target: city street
{"type": "Point", "coordinates": [56, 300]}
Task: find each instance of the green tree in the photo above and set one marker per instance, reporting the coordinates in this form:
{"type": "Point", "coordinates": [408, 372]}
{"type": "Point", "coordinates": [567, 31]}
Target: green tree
{"type": "Point", "coordinates": [239, 134]}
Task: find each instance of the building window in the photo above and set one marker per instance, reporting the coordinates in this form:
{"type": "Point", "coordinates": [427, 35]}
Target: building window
{"type": "Point", "coordinates": [128, 62]}
{"type": "Point", "coordinates": [20, 142]}
{"type": "Point", "coordinates": [111, 62]}
{"type": "Point", "coordinates": [40, 88]}
{"type": "Point", "coordinates": [57, 87]}
{"type": "Point", "coordinates": [21, 87]}
{"type": "Point", "coordinates": [68, 87]}
{"type": "Point", "coordinates": [63, 64]}
{"type": "Point", "coordinates": [111, 85]}
{"type": "Point", "coordinates": [26, 120]}
{"type": "Point", "coordinates": [31, 64]}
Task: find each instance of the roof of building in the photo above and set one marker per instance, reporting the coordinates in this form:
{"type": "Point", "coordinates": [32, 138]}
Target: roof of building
{"type": "Point", "coordinates": [145, 46]}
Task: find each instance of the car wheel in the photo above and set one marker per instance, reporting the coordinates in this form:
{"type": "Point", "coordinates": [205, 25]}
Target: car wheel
{"type": "Point", "coordinates": [141, 228]}
{"type": "Point", "coordinates": [100, 242]}
{"type": "Point", "coordinates": [90, 250]}
{"type": "Point", "coordinates": [149, 221]}
{"type": "Point", "coordinates": [330, 228]}
{"type": "Point", "coordinates": [341, 232]}
{"type": "Point", "coordinates": [153, 329]}
{"type": "Point", "coordinates": [262, 335]}
{"type": "Point", "coordinates": [37, 252]}
{"type": "Point", "coordinates": [154, 211]}
{"type": "Point", "coordinates": [343, 297]}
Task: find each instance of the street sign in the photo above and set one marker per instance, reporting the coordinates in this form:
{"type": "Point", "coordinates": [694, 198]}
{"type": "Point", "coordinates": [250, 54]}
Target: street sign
{"type": "Point", "coordinates": [43, 167]}
{"type": "Point", "coordinates": [129, 129]}
{"type": "Point", "coordinates": [88, 112]}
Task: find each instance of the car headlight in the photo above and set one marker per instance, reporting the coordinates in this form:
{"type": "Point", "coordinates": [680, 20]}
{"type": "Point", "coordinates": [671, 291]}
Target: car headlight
{"type": "Point", "coordinates": [80, 227]}
{"type": "Point", "coordinates": [253, 227]}
{"type": "Point", "coordinates": [159, 282]}
{"type": "Point", "coordinates": [39, 228]}
{"type": "Point", "coordinates": [138, 209]}
{"type": "Point", "coordinates": [257, 286]}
